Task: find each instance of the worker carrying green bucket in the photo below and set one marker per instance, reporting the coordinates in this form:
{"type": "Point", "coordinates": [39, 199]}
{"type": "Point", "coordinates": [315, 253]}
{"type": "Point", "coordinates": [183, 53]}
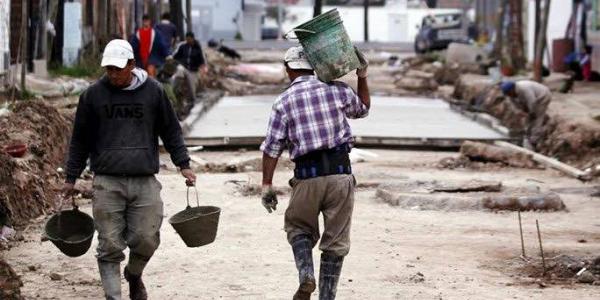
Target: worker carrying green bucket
{"type": "Point", "coordinates": [310, 119]}
{"type": "Point", "coordinates": [327, 46]}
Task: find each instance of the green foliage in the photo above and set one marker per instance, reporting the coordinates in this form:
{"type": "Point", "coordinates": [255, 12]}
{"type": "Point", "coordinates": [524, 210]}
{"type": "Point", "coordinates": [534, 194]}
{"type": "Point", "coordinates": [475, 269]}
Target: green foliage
{"type": "Point", "coordinates": [26, 95]}
{"type": "Point", "coordinates": [86, 67]}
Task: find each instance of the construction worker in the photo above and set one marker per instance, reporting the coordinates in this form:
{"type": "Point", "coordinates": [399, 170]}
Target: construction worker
{"type": "Point", "coordinates": [191, 59]}
{"type": "Point", "coordinates": [533, 98]}
{"type": "Point", "coordinates": [167, 30]}
{"type": "Point", "coordinates": [150, 48]}
{"type": "Point", "coordinates": [310, 118]}
{"type": "Point", "coordinates": [118, 121]}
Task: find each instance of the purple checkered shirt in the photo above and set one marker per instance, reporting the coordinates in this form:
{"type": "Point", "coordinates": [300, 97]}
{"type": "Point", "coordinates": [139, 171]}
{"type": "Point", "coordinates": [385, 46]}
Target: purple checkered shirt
{"type": "Point", "coordinates": [311, 115]}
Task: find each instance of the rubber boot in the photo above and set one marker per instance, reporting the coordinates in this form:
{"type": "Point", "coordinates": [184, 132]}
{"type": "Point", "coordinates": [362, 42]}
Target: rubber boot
{"type": "Point", "coordinates": [302, 248]}
{"type": "Point", "coordinates": [110, 275]}
{"type": "Point", "coordinates": [329, 275]}
{"type": "Point", "coordinates": [137, 290]}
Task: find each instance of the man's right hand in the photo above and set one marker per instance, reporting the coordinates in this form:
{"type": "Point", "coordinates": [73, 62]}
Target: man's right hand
{"type": "Point", "coordinates": [68, 189]}
{"type": "Point", "coordinates": [269, 198]}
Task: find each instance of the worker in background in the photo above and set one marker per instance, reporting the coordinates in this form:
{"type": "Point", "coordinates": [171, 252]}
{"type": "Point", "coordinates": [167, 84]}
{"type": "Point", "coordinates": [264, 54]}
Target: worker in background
{"type": "Point", "coordinates": [310, 119]}
{"type": "Point", "coordinates": [189, 54]}
{"type": "Point", "coordinates": [149, 47]}
{"type": "Point", "coordinates": [167, 30]}
{"type": "Point", "coordinates": [533, 98]}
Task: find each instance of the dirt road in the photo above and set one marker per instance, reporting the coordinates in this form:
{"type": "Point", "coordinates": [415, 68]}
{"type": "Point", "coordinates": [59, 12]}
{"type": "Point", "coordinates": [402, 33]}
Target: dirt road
{"type": "Point", "coordinates": [396, 253]}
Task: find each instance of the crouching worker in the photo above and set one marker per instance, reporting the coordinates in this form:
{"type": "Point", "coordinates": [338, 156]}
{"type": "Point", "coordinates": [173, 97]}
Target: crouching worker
{"type": "Point", "coordinates": [310, 118]}
{"type": "Point", "coordinates": [118, 121]}
{"type": "Point", "coordinates": [533, 98]}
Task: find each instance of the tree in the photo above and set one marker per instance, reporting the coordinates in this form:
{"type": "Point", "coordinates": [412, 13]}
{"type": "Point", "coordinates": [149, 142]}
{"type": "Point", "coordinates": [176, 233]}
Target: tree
{"type": "Point", "coordinates": [541, 43]}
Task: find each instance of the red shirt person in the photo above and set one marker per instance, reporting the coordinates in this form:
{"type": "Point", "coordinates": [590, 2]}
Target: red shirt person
{"type": "Point", "coordinates": [149, 47]}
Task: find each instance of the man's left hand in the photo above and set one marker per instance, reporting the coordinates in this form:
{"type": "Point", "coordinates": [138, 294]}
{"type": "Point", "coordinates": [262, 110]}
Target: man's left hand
{"type": "Point", "coordinates": [361, 72]}
{"type": "Point", "coordinates": [190, 177]}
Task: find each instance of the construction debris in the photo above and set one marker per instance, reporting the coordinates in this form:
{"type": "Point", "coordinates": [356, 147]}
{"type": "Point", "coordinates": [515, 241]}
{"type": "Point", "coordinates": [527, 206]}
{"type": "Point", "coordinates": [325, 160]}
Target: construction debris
{"type": "Point", "coordinates": [553, 163]}
{"type": "Point", "coordinates": [466, 195]}
{"type": "Point", "coordinates": [469, 186]}
{"type": "Point", "coordinates": [10, 283]}
{"type": "Point", "coordinates": [29, 185]}
{"type": "Point", "coordinates": [56, 87]}
{"type": "Point", "coordinates": [489, 153]}
{"type": "Point", "coordinates": [565, 268]}
{"type": "Point", "coordinates": [541, 202]}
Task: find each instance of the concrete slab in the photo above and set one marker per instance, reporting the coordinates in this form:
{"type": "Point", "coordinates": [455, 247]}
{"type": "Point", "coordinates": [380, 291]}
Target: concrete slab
{"type": "Point", "coordinates": [392, 121]}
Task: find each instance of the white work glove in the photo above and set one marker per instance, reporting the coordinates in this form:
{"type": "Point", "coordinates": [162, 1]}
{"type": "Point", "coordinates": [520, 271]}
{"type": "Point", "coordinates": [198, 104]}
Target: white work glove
{"type": "Point", "coordinates": [269, 198]}
{"type": "Point", "coordinates": [361, 72]}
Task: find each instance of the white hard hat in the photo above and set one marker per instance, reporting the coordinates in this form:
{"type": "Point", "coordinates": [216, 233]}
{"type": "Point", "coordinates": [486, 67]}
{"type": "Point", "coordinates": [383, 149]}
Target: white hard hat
{"type": "Point", "coordinates": [117, 53]}
{"type": "Point", "coordinates": [296, 59]}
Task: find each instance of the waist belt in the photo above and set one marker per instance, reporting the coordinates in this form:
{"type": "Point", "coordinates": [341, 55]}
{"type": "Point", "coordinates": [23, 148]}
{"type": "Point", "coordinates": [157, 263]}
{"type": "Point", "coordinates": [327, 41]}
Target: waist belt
{"type": "Point", "coordinates": [323, 162]}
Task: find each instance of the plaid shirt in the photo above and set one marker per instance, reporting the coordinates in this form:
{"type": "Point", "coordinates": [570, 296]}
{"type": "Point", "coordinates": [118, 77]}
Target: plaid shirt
{"type": "Point", "coordinates": [311, 115]}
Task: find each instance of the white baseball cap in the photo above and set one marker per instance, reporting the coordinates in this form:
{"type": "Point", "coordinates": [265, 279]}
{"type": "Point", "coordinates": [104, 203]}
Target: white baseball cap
{"type": "Point", "coordinates": [296, 59]}
{"type": "Point", "coordinates": [117, 53]}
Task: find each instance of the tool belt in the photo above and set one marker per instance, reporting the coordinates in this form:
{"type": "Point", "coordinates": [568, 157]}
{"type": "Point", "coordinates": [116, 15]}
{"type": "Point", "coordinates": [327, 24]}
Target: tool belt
{"type": "Point", "coordinates": [323, 162]}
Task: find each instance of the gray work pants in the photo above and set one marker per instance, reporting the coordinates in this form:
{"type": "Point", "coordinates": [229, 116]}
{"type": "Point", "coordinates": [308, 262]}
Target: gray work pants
{"type": "Point", "coordinates": [128, 212]}
{"type": "Point", "coordinates": [537, 120]}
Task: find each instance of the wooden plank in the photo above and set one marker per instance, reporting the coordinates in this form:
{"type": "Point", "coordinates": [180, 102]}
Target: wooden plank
{"type": "Point", "coordinates": [548, 161]}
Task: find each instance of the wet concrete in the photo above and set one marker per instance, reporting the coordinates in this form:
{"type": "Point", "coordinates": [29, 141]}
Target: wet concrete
{"type": "Point", "coordinates": [392, 121]}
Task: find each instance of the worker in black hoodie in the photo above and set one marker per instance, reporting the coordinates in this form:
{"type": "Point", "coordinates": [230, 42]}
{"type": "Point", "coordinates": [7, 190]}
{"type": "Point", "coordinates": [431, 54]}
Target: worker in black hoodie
{"type": "Point", "coordinates": [192, 61]}
{"type": "Point", "coordinates": [118, 121]}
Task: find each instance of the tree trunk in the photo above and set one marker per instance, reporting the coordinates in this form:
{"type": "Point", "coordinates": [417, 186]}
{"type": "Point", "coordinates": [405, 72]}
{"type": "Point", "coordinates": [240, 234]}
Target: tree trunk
{"type": "Point", "coordinates": [366, 19]}
{"type": "Point", "coordinates": [515, 43]}
{"type": "Point", "coordinates": [541, 44]}
{"type": "Point", "coordinates": [188, 15]}
{"type": "Point", "coordinates": [24, 38]}
{"type": "Point", "coordinates": [497, 52]}
{"type": "Point", "coordinates": [317, 8]}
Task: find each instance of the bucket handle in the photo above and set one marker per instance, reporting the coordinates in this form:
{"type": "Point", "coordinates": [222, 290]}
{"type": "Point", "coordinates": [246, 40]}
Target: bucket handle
{"type": "Point", "coordinates": [73, 203]}
{"type": "Point", "coordinates": [188, 197]}
{"type": "Point", "coordinates": [294, 30]}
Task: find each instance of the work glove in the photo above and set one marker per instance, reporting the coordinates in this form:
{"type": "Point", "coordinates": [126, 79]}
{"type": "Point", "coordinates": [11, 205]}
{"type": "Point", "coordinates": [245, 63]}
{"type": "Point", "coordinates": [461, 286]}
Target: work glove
{"type": "Point", "coordinates": [361, 72]}
{"type": "Point", "coordinates": [269, 198]}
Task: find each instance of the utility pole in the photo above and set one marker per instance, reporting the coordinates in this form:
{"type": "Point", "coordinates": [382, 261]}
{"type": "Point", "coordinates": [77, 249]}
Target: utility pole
{"type": "Point", "coordinates": [24, 31]}
{"type": "Point", "coordinates": [188, 15]}
{"type": "Point", "coordinates": [366, 18]}
{"type": "Point", "coordinates": [317, 7]}
{"type": "Point", "coordinates": [279, 20]}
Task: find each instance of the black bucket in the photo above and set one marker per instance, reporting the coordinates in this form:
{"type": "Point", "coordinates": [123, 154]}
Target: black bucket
{"type": "Point", "coordinates": [198, 225]}
{"type": "Point", "coordinates": [71, 231]}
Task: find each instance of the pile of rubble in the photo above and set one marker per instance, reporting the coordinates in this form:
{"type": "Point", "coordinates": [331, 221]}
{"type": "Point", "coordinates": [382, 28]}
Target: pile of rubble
{"type": "Point", "coordinates": [243, 78]}
{"type": "Point", "coordinates": [29, 185]}
{"type": "Point", "coordinates": [467, 195]}
{"type": "Point", "coordinates": [10, 283]}
{"type": "Point", "coordinates": [566, 268]}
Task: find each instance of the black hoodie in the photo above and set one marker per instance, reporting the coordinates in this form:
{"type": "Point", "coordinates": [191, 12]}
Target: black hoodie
{"type": "Point", "coordinates": [119, 129]}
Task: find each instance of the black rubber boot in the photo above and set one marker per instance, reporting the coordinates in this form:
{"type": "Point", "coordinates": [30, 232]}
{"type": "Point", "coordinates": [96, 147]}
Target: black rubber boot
{"type": "Point", "coordinates": [137, 290]}
{"type": "Point", "coordinates": [302, 247]}
{"type": "Point", "coordinates": [331, 268]}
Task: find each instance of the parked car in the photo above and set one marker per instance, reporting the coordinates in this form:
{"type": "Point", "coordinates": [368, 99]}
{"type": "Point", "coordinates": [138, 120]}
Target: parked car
{"type": "Point", "coordinates": [437, 31]}
{"type": "Point", "coordinates": [269, 33]}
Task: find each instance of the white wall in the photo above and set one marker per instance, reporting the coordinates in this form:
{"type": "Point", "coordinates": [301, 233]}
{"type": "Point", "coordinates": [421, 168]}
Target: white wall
{"type": "Point", "coordinates": [560, 12]}
{"type": "Point", "coordinates": [220, 15]}
{"type": "Point", "coordinates": [380, 22]}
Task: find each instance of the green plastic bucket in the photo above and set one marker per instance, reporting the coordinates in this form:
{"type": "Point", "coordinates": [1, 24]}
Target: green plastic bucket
{"type": "Point", "coordinates": [327, 46]}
